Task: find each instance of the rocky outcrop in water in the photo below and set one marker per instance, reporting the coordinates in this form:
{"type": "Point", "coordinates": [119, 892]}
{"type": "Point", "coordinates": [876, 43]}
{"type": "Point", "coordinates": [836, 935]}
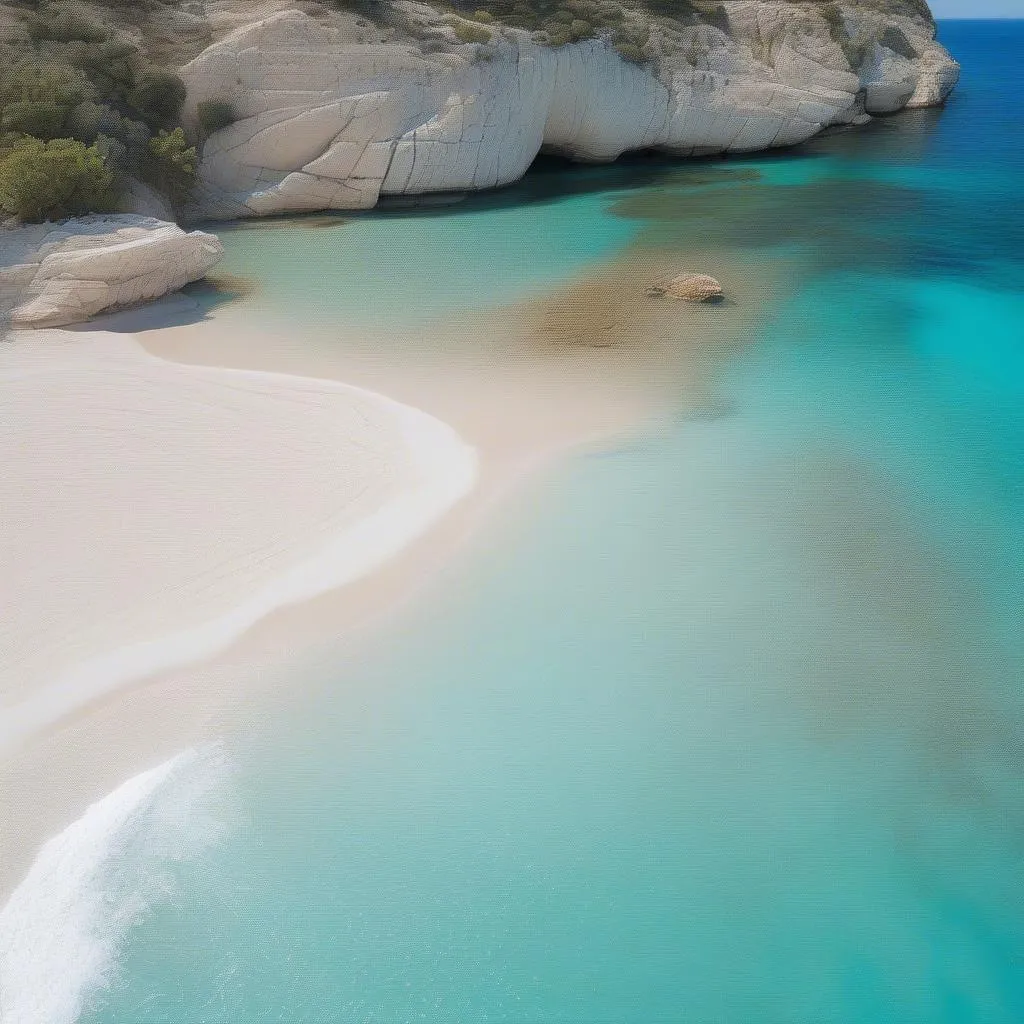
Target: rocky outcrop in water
{"type": "Point", "coordinates": [331, 113]}
{"type": "Point", "coordinates": [55, 275]}
{"type": "Point", "coordinates": [689, 286]}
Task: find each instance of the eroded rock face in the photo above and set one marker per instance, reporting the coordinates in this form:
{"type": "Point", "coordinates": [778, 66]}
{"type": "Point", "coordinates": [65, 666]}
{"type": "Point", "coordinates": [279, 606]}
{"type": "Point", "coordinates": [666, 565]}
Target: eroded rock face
{"type": "Point", "coordinates": [328, 123]}
{"type": "Point", "coordinates": [55, 275]}
{"type": "Point", "coordinates": [937, 74]}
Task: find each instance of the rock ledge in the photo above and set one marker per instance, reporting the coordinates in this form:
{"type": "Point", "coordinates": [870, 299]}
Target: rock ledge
{"type": "Point", "coordinates": [59, 274]}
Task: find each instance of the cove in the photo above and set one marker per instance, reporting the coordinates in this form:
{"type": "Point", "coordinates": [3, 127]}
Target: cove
{"type": "Point", "coordinates": [722, 723]}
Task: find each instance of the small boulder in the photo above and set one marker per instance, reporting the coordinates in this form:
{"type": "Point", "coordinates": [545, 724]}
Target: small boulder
{"type": "Point", "coordinates": [689, 287]}
{"type": "Point", "coordinates": [52, 275]}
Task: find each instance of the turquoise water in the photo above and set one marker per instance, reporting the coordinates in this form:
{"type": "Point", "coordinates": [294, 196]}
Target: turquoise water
{"type": "Point", "coordinates": [723, 724]}
{"type": "Point", "coordinates": [403, 269]}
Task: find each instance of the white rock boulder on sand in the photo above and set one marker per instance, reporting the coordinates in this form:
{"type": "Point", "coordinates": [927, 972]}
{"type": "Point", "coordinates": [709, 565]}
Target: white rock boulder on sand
{"type": "Point", "coordinates": [56, 274]}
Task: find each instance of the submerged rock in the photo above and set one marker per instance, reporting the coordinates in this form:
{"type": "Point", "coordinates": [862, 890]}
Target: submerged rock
{"type": "Point", "coordinates": [690, 287]}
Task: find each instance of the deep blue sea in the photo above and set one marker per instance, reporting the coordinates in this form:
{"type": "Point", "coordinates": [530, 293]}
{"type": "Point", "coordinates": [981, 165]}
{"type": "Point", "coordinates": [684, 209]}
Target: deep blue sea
{"type": "Point", "coordinates": [729, 728]}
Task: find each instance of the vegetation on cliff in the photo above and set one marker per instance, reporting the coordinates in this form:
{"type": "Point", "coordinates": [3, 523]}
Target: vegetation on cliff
{"type": "Point", "coordinates": [83, 109]}
{"type": "Point", "coordinates": [50, 180]}
{"type": "Point", "coordinates": [534, 14]}
{"type": "Point", "coordinates": [628, 25]}
{"type": "Point", "coordinates": [98, 76]}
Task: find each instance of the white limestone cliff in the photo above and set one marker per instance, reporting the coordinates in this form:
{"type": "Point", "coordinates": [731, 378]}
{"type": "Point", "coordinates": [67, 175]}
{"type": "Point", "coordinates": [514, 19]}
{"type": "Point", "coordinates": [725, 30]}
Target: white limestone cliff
{"type": "Point", "coordinates": [937, 74]}
{"type": "Point", "coordinates": [57, 274]}
{"type": "Point", "coordinates": [328, 120]}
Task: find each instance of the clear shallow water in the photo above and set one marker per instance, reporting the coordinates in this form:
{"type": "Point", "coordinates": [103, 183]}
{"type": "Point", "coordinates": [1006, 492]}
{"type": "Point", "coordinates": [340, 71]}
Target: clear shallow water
{"type": "Point", "coordinates": [728, 724]}
{"type": "Point", "coordinates": [406, 268]}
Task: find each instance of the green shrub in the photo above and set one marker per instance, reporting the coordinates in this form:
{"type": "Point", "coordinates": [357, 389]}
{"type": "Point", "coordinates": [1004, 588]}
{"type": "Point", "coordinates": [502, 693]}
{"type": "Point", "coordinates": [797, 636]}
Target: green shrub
{"type": "Point", "coordinates": [172, 149]}
{"type": "Point", "coordinates": [81, 73]}
{"type": "Point", "coordinates": [83, 121]}
{"type": "Point", "coordinates": [580, 29]}
{"type": "Point", "coordinates": [64, 24]}
{"type": "Point", "coordinates": [52, 180]}
{"type": "Point", "coordinates": [158, 97]}
{"type": "Point", "coordinates": [215, 115]}
{"type": "Point", "coordinates": [32, 82]}
{"type": "Point", "coordinates": [114, 66]}
{"type": "Point", "coordinates": [632, 53]}
{"type": "Point", "coordinates": [483, 16]}
{"type": "Point", "coordinates": [600, 14]}
{"type": "Point", "coordinates": [172, 164]}
{"type": "Point", "coordinates": [115, 155]}
{"type": "Point", "coordinates": [88, 120]}
{"type": "Point", "coordinates": [523, 16]}
{"type": "Point", "coordinates": [632, 36]}
{"type": "Point", "coordinates": [466, 32]}
{"type": "Point", "coordinates": [712, 13]}
{"type": "Point", "coordinates": [134, 134]}
{"type": "Point", "coordinates": [40, 118]}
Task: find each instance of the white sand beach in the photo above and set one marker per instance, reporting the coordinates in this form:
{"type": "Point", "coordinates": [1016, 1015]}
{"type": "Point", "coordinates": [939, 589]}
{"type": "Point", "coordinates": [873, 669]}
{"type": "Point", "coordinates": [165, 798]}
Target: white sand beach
{"type": "Point", "coordinates": [186, 539]}
{"type": "Point", "coordinates": [154, 511]}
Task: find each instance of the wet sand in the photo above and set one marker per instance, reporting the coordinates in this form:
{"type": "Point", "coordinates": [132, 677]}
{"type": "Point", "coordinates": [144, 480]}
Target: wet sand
{"type": "Point", "coordinates": [522, 385]}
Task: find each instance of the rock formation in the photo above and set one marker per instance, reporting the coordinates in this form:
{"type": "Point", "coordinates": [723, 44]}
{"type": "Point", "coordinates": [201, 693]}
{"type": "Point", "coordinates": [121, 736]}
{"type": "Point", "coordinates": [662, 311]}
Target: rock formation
{"type": "Point", "coordinates": [329, 115]}
{"type": "Point", "coordinates": [54, 275]}
{"type": "Point", "coordinates": [691, 287]}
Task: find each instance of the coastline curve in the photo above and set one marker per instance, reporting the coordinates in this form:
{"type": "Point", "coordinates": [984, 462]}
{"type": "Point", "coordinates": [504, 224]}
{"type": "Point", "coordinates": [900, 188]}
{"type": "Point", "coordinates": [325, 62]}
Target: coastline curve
{"type": "Point", "coordinates": [437, 469]}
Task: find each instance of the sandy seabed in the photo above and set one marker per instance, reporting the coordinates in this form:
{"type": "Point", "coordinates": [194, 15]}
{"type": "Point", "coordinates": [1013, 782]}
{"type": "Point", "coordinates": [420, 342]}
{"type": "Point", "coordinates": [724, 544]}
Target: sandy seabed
{"type": "Point", "coordinates": [178, 533]}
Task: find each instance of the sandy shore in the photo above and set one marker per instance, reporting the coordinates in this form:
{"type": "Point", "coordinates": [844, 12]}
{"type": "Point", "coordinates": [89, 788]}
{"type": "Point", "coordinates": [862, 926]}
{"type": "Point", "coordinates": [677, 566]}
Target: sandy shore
{"type": "Point", "coordinates": [154, 511]}
{"type": "Point", "coordinates": [175, 511]}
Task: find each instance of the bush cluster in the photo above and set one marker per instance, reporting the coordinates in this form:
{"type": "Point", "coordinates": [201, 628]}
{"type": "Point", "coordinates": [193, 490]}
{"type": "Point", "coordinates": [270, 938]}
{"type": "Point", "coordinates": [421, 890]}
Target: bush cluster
{"type": "Point", "coordinates": [214, 115]}
{"type": "Point", "coordinates": [561, 20]}
{"type": "Point", "coordinates": [49, 180]}
{"type": "Point", "coordinates": [172, 164]}
{"type": "Point", "coordinates": [468, 33]}
{"type": "Point", "coordinates": [80, 96]}
{"type": "Point", "coordinates": [558, 22]}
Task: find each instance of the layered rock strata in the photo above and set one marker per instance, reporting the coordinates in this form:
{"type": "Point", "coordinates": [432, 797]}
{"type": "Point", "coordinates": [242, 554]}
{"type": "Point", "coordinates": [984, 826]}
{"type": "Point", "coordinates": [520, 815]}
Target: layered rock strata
{"type": "Point", "coordinates": [325, 122]}
{"type": "Point", "coordinates": [53, 275]}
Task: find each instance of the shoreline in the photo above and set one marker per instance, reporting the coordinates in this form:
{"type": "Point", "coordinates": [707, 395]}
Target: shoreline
{"type": "Point", "coordinates": [441, 471]}
{"type": "Point", "coordinates": [68, 916]}
{"type": "Point", "coordinates": [520, 397]}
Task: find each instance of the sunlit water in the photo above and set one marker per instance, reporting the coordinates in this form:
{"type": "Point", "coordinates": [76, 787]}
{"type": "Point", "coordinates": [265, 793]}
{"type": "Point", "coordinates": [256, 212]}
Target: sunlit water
{"type": "Point", "coordinates": [725, 724]}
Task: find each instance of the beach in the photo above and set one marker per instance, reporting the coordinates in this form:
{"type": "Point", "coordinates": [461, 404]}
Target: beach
{"type": "Point", "coordinates": [179, 483]}
{"type": "Point", "coordinates": [182, 541]}
{"type": "Point", "coordinates": [702, 700]}
{"type": "Point", "coordinates": [154, 512]}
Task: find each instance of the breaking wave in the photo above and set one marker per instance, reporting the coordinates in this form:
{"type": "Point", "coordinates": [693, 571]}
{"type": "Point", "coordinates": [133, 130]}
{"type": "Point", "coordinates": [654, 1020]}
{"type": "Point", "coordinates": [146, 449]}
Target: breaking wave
{"type": "Point", "coordinates": [63, 927]}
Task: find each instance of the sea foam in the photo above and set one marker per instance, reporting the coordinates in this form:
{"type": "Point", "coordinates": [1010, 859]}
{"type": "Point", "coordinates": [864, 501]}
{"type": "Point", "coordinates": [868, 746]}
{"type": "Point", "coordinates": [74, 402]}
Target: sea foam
{"type": "Point", "coordinates": [63, 927]}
